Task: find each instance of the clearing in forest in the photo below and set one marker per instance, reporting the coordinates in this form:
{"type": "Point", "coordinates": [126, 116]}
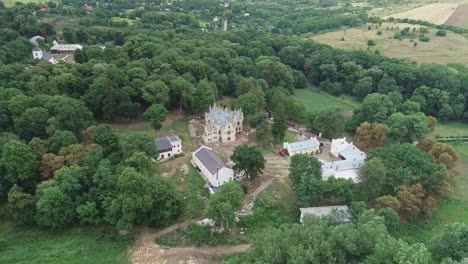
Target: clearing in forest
{"type": "Point", "coordinates": [318, 101]}
{"type": "Point", "coordinates": [434, 13]}
{"type": "Point", "coordinates": [452, 48]}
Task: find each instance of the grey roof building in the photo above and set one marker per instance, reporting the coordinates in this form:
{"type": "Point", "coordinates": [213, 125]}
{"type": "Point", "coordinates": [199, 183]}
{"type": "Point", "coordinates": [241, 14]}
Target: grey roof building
{"type": "Point", "coordinates": [168, 146]}
{"type": "Point", "coordinates": [212, 168]}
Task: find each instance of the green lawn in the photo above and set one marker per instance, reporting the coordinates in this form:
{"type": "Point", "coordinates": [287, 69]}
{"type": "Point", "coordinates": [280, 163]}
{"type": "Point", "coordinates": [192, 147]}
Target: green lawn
{"type": "Point", "coordinates": [180, 128]}
{"type": "Point", "coordinates": [317, 101]}
{"type": "Point", "coordinates": [454, 209]}
{"type": "Point", "coordinates": [77, 245]}
{"type": "Point", "coordinates": [194, 192]}
{"type": "Point", "coordinates": [452, 128]}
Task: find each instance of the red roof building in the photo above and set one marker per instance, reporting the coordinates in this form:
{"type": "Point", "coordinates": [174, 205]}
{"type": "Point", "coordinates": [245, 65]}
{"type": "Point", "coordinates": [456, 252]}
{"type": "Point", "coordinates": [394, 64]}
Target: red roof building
{"type": "Point", "coordinates": [89, 8]}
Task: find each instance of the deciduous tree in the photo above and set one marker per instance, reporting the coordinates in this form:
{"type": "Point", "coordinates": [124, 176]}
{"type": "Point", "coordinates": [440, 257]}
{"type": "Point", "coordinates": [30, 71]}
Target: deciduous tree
{"type": "Point", "coordinates": [248, 160]}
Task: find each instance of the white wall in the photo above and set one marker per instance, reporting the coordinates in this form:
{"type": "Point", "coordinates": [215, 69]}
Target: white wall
{"type": "Point", "coordinates": [224, 174]}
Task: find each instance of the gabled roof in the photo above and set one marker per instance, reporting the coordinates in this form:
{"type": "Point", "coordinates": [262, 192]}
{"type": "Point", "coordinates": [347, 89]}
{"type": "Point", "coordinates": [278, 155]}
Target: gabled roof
{"type": "Point", "coordinates": [174, 139]}
{"type": "Point", "coordinates": [46, 56]}
{"type": "Point", "coordinates": [304, 145]}
{"type": "Point", "coordinates": [209, 159]}
{"type": "Point", "coordinates": [163, 143]}
{"type": "Point", "coordinates": [36, 48]}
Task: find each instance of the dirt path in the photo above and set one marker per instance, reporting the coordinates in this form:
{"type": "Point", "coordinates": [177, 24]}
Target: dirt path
{"type": "Point", "coordinates": [146, 251]}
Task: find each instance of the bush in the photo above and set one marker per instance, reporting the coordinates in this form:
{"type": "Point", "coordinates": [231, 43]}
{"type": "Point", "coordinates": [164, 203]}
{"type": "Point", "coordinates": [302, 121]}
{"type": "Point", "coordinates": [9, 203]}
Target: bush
{"type": "Point", "coordinates": [199, 235]}
{"type": "Point", "coordinates": [379, 32]}
{"type": "Point", "coordinates": [424, 39]}
{"type": "Point", "coordinates": [441, 33]}
{"type": "Point", "coordinates": [370, 43]}
{"type": "Point", "coordinates": [424, 30]}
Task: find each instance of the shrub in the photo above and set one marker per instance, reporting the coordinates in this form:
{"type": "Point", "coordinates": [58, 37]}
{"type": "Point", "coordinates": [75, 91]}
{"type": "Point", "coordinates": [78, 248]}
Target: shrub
{"type": "Point", "coordinates": [370, 43]}
{"type": "Point", "coordinates": [199, 235]}
{"type": "Point", "coordinates": [369, 27]}
{"type": "Point", "coordinates": [424, 39]}
{"type": "Point", "coordinates": [441, 33]}
{"type": "Point", "coordinates": [424, 30]}
{"type": "Point", "coordinates": [379, 32]}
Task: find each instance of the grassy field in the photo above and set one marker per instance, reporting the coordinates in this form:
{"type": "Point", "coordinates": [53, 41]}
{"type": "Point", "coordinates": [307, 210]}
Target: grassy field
{"type": "Point", "coordinates": [454, 209]}
{"type": "Point", "coordinates": [10, 3]}
{"type": "Point", "coordinates": [80, 246]}
{"type": "Point", "coordinates": [170, 127]}
{"type": "Point", "coordinates": [318, 101]}
{"type": "Point", "coordinates": [452, 48]}
{"type": "Point", "coordinates": [451, 129]}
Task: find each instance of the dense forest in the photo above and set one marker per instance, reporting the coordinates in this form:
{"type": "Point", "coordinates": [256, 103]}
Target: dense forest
{"type": "Point", "coordinates": [60, 166]}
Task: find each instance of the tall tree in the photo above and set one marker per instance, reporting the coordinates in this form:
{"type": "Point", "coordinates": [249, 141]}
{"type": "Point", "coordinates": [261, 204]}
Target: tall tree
{"type": "Point", "coordinates": [204, 96]}
{"type": "Point", "coordinates": [330, 122]}
{"type": "Point", "coordinates": [248, 160]}
{"type": "Point", "coordinates": [156, 114]}
{"type": "Point", "coordinates": [452, 243]}
{"type": "Point", "coordinates": [370, 136]}
{"type": "Point", "coordinates": [279, 128]}
{"type": "Point", "coordinates": [223, 205]}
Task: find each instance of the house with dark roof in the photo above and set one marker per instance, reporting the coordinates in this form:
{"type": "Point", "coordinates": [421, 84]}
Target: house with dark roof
{"type": "Point", "coordinates": [212, 168]}
{"type": "Point", "coordinates": [168, 146]}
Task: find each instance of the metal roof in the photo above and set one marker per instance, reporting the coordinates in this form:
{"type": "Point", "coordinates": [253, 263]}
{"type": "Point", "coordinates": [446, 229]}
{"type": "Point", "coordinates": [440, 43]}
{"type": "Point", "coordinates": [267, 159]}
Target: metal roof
{"type": "Point", "coordinates": [66, 47]}
{"type": "Point", "coordinates": [163, 143]}
{"type": "Point", "coordinates": [209, 159]}
{"type": "Point", "coordinates": [174, 139]}
{"type": "Point", "coordinates": [304, 145]}
{"type": "Point", "coordinates": [46, 56]}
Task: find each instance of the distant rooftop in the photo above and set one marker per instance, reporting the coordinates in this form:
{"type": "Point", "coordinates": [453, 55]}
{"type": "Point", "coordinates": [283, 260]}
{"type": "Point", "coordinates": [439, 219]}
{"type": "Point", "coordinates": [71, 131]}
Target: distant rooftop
{"type": "Point", "coordinates": [66, 47]}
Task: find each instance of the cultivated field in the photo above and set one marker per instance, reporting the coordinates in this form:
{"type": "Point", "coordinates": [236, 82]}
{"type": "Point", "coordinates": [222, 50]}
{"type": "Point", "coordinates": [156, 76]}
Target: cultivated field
{"type": "Point", "coordinates": [10, 3]}
{"type": "Point", "coordinates": [434, 13]}
{"type": "Point", "coordinates": [459, 18]}
{"type": "Point", "coordinates": [452, 48]}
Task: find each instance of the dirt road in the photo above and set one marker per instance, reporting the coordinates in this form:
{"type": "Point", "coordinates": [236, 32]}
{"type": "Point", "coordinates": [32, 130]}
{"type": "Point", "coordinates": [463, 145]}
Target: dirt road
{"type": "Point", "coordinates": [146, 251]}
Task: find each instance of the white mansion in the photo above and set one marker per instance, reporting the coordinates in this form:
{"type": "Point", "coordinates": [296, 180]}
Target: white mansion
{"type": "Point", "coordinates": [222, 124]}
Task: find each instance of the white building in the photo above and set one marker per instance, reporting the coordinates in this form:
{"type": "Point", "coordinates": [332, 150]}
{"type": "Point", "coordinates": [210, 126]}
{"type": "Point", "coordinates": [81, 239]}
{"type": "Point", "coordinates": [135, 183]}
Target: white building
{"type": "Point", "coordinates": [39, 54]}
{"type": "Point", "coordinates": [222, 125]}
{"type": "Point", "coordinates": [34, 40]}
{"type": "Point", "coordinates": [310, 146]}
{"type": "Point", "coordinates": [212, 168]}
{"type": "Point", "coordinates": [340, 213]}
{"type": "Point", "coordinates": [64, 48]}
{"type": "Point", "coordinates": [350, 160]}
{"type": "Point", "coordinates": [168, 147]}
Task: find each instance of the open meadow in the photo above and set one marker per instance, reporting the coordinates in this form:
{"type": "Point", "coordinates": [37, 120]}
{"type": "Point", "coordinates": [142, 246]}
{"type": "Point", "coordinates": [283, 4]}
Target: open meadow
{"type": "Point", "coordinates": [452, 48]}
{"type": "Point", "coordinates": [317, 101]}
{"type": "Point", "coordinates": [70, 246]}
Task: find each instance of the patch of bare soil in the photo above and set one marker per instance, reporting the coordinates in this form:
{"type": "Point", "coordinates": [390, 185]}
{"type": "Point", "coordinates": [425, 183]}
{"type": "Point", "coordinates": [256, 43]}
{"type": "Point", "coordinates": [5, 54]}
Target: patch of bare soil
{"type": "Point", "coordinates": [459, 18]}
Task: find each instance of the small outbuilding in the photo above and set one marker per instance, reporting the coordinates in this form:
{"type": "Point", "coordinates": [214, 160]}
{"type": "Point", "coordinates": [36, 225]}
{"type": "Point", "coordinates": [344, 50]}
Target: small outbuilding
{"type": "Point", "coordinates": [168, 147]}
{"type": "Point", "coordinates": [338, 214]}
{"type": "Point", "coordinates": [212, 168]}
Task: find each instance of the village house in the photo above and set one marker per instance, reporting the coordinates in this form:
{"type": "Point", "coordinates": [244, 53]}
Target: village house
{"type": "Point", "coordinates": [64, 48]}
{"type": "Point", "coordinates": [39, 54]}
{"type": "Point", "coordinates": [222, 125]}
{"type": "Point", "coordinates": [212, 168]}
{"type": "Point", "coordinates": [309, 146]}
{"type": "Point", "coordinates": [338, 214]}
{"type": "Point", "coordinates": [350, 160]}
{"type": "Point", "coordinates": [168, 147]}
